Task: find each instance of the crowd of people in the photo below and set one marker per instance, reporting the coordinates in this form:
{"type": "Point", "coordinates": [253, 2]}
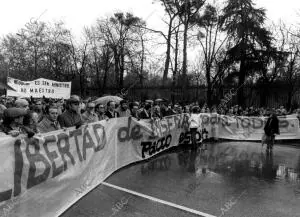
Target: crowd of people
{"type": "Point", "coordinates": [31, 116]}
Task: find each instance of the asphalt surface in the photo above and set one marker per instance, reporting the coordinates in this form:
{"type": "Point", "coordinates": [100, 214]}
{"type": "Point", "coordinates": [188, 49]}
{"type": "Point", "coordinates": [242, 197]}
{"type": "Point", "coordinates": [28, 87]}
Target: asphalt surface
{"type": "Point", "coordinates": [230, 179]}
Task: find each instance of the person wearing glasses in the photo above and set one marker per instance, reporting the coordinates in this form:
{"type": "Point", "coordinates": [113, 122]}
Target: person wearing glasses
{"type": "Point", "coordinates": [90, 116]}
{"type": "Point", "coordinates": [110, 112]}
{"type": "Point", "coordinates": [71, 117]}
{"type": "Point", "coordinates": [49, 122]}
{"type": "Point", "coordinates": [100, 111]}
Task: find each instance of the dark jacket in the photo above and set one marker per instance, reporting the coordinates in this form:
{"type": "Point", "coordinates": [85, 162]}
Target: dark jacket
{"type": "Point", "coordinates": [70, 119]}
{"type": "Point", "coordinates": [272, 126]}
{"type": "Point", "coordinates": [110, 115]}
{"type": "Point", "coordinates": [22, 129]}
{"type": "Point", "coordinates": [144, 114]}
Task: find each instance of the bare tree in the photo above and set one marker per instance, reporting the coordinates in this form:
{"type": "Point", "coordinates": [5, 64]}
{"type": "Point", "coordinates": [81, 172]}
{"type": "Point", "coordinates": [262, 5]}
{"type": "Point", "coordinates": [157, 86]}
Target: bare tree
{"type": "Point", "coordinates": [211, 41]}
{"type": "Point", "coordinates": [120, 33]}
{"type": "Point", "coordinates": [290, 74]}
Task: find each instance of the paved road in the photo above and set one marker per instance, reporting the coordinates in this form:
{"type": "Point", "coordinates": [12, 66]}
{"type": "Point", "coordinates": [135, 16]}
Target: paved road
{"type": "Point", "coordinates": [230, 179]}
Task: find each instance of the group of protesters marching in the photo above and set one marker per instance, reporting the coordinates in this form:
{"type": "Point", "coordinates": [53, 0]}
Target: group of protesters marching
{"type": "Point", "coordinates": [32, 116]}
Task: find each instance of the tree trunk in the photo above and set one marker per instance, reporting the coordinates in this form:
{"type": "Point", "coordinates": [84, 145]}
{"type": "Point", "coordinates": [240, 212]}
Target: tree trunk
{"type": "Point", "coordinates": [142, 61]}
{"type": "Point", "coordinates": [290, 97]}
{"type": "Point", "coordinates": [35, 64]}
{"type": "Point", "coordinates": [209, 87]}
{"type": "Point", "coordinates": [184, 62]}
{"type": "Point", "coordinates": [242, 77]}
{"type": "Point", "coordinates": [168, 54]}
{"type": "Point", "coordinates": [82, 83]}
{"type": "Point", "coordinates": [175, 66]}
{"type": "Point", "coordinates": [263, 95]}
{"type": "Point", "coordinates": [122, 67]}
{"type": "Point", "coordinates": [106, 68]}
{"type": "Point", "coordinates": [117, 71]}
{"type": "Point", "coordinates": [97, 70]}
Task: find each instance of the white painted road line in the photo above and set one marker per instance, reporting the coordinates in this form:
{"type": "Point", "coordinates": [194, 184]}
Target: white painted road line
{"type": "Point", "coordinates": [159, 200]}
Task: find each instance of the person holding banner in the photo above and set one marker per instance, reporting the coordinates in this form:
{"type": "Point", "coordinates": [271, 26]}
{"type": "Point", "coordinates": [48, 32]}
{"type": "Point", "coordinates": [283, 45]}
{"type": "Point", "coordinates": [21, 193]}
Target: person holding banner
{"type": "Point", "coordinates": [123, 109]}
{"type": "Point", "coordinates": [110, 112]}
{"type": "Point", "coordinates": [13, 121]}
{"type": "Point", "coordinates": [146, 112]}
{"type": "Point", "coordinates": [30, 121]}
{"type": "Point", "coordinates": [90, 116]}
{"type": "Point", "coordinates": [71, 117]}
{"type": "Point", "coordinates": [49, 122]}
{"type": "Point", "coordinates": [195, 123]}
{"type": "Point", "coordinates": [100, 111]}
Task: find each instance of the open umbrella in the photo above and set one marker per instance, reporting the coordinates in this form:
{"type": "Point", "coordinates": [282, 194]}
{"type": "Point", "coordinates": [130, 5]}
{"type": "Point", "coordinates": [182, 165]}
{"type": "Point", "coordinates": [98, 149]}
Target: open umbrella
{"type": "Point", "coordinates": [149, 101]}
{"type": "Point", "coordinates": [105, 99]}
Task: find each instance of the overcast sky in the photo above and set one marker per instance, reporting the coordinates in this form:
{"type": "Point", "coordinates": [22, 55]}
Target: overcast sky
{"type": "Point", "coordinates": [79, 13]}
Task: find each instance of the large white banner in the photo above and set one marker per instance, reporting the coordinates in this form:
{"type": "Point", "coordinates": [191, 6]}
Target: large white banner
{"type": "Point", "coordinates": [247, 128]}
{"type": "Point", "coordinates": [39, 88]}
{"type": "Point", "coordinates": [44, 176]}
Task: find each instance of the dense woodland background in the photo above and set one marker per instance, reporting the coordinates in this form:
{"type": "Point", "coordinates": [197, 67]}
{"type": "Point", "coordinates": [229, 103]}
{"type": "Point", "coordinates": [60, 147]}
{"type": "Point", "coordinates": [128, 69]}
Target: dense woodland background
{"type": "Point", "coordinates": [205, 50]}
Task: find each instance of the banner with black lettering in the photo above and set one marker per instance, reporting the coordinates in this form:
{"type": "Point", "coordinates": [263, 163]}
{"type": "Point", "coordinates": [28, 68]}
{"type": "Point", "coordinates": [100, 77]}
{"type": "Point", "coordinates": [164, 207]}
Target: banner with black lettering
{"type": "Point", "coordinates": [39, 88]}
{"type": "Point", "coordinates": [247, 128]}
{"type": "Point", "coordinates": [139, 140]}
{"type": "Point", "coordinates": [45, 175]}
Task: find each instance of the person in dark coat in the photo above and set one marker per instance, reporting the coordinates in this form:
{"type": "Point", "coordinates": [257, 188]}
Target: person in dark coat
{"type": "Point", "coordinates": [13, 122]}
{"type": "Point", "coordinates": [71, 117]}
{"type": "Point", "coordinates": [271, 128]}
{"type": "Point", "coordinates": [110, 112]}
{"type": "Point", "coordinates": [146, 112]}
{"type": "Point", "coordinates": [135, 110]}
{"type": "Point", "coordinates": [156, 112]}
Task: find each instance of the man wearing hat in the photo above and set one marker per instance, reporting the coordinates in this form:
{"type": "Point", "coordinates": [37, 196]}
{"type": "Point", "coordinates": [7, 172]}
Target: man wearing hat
{"type": "Point", "coordinates": [13, 121]}
{"type": "Point", "coordinates": [71, 117]}
{"type": "Point", "coordinates": [22, 103]}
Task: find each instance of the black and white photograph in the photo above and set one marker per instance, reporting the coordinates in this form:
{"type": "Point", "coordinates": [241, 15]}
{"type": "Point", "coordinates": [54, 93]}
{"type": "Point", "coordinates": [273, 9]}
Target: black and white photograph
{"type": "Point", "coordinates": [150, 108]}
